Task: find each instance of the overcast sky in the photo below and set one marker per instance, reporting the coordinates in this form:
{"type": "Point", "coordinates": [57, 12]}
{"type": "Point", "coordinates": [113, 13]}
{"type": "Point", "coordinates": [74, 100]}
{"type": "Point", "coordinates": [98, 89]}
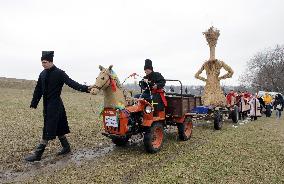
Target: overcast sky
{"type": "Point", "coordinates": [87, 33]}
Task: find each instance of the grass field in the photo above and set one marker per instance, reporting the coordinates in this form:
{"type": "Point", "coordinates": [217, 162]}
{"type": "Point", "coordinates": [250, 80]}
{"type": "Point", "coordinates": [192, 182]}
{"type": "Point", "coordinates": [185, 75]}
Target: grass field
{"type": "Point", "coordinates": [249, 153]}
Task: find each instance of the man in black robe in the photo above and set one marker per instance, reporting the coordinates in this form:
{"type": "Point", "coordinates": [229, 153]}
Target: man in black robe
{"type": "Point", "coordinates": [153, 83]}
{"type": "Point", "coordinates": [49, 86]}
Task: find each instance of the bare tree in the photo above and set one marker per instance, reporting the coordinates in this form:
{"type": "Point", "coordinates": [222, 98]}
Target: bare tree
{"type": "Point", "coordinates": [265, 71]}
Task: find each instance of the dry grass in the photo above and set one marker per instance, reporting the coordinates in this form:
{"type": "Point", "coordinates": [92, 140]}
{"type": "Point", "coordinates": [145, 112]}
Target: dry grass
{"type": "Point", "coordinates": [250, 153]}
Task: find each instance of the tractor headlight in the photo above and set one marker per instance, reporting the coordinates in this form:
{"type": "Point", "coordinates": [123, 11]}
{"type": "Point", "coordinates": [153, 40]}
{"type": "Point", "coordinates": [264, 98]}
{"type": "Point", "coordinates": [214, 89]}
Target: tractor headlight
{"type": "Point", "coordinates": [148, 109]}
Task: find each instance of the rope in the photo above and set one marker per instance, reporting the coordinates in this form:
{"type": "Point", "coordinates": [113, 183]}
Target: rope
{"type": "Point", "coordinates": [92, 105]}
{"type": "Point", "coordinates": [132, 75]}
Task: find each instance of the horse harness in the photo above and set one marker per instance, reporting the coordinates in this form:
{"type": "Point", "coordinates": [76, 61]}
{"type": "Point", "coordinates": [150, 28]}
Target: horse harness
{"type": "Point", "coordinates": [109, 79]}
{"type": "Point", "coordinates": [99, 88]}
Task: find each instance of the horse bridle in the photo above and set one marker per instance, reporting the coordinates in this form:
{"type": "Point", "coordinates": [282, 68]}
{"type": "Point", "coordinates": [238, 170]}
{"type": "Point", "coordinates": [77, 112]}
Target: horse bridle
{"type": "Point", "coordinates": [99, 88]}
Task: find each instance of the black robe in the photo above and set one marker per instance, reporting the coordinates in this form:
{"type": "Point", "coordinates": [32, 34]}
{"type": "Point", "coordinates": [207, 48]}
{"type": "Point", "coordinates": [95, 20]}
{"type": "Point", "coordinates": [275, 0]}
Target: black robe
{"type": "Point", "coordinates": [158, 79]}
{"type": "Point", "coordinates": [49, 86]}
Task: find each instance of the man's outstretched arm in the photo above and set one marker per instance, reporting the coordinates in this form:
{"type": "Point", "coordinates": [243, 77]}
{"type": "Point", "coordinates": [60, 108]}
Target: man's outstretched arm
{"type": "Point", "coordinates": [73, 84]}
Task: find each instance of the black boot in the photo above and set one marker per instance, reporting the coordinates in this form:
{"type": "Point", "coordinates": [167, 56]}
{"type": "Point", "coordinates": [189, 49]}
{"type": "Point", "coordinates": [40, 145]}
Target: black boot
{"type": "Point", "coordinates": [65, 146]}
{"type": "Point", "coordinates": [36, 156]}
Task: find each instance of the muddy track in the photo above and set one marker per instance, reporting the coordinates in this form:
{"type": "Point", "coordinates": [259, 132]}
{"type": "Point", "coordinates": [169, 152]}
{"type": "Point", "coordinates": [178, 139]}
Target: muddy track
{"type": "Point", "coordinates": [49, 165]}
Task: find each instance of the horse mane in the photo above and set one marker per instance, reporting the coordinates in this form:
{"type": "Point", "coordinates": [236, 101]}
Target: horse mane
{"type": "Point", "coordinates": [127, 96]}
{"type": "Point", "coordinates": [115, 78]}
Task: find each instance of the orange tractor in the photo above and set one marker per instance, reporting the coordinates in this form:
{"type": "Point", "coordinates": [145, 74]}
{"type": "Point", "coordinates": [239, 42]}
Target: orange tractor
{"type": "Point", "coordinates": [142, 118]}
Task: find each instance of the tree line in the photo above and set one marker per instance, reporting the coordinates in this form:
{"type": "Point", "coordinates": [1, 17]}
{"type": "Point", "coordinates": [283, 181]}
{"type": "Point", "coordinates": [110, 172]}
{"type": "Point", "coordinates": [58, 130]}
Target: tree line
{"type": "Point", "coordinates": [265, 70]}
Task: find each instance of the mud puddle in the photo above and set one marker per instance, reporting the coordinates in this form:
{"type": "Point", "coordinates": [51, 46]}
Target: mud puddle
{"type": "Point", "coordinates": [87, 154]}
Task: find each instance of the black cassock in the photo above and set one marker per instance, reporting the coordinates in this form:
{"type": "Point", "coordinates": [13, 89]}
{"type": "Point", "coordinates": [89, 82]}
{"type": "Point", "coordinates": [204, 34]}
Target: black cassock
{"type": "Point", "coordinates": [49, 86]}
{"type": "Point", "coordinates": [158, 79]}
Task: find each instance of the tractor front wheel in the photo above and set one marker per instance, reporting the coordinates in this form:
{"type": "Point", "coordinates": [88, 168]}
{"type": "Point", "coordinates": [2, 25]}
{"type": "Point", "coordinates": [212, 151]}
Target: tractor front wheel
{"type": "Point", "coordinates": [153, 137]}
{"type": "Point", "coordinates": [185, 129]}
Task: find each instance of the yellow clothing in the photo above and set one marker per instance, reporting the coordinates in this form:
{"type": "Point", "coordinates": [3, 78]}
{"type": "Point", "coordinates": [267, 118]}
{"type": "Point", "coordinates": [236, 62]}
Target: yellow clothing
{"type": "Point", "coordinates": [267, 99]}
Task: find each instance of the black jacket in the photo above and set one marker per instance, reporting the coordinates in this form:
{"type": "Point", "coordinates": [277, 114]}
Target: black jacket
{"type": "Point", "coordinates": [158, 79]}
{"type": "Point", "coordinates": [154, 78]}
{"type": "Point", "coordinates": [49, 86]}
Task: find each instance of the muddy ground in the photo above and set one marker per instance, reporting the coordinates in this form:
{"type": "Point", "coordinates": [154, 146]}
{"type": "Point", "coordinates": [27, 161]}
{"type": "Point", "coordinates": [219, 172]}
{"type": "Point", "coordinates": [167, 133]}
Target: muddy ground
{"type": "Point", "coordinates": [247, 153]}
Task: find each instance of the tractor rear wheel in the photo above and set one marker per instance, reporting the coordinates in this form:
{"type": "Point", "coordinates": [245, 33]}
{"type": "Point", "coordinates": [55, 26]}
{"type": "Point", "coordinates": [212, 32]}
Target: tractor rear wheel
{"type": "Point", "coordinates": [153, 137]}
{"type": "Point", "coordinates": [185, 129]}
{"type": "Point", "coordinates": [218, 120]}
{"type": "Point", "coordinates": [120, 141]}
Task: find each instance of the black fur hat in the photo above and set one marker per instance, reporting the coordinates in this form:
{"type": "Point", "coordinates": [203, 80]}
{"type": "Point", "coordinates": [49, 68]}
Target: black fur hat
{"type": "Point", "coordinates": [148, 64]}
{"type": "Point", "coordinates": [47, 55]}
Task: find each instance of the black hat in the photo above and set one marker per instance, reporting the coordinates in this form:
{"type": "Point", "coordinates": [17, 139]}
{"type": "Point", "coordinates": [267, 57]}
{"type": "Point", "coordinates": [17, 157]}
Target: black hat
{"type": "Point", "coordinates": [47, 55]}
{"type": "Point", "coordinates": [148, 64]}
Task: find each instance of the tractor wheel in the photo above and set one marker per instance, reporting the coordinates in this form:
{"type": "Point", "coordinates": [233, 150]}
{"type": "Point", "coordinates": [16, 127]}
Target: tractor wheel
{"type": "Point", "coordinates": [235, 114]}
{"type": "Point", "coordinates": [153, 137]}
{"type": "Point", "coordinates": [120, 141]}
{"type": "Point", "coordinates": [185, 129]}
{"type": "Point", "coordinates": [218, 120]}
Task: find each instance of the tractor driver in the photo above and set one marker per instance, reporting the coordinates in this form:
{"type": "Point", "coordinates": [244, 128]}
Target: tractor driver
{"type": "Point", "coordinates": [154, 82]}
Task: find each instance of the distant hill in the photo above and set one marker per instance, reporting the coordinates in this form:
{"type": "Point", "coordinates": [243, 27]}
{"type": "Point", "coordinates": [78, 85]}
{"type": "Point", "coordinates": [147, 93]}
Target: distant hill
{"type": "Point", "coordinates": [23, 84]}
{"type": "Point", "coordinates": [16, 83]}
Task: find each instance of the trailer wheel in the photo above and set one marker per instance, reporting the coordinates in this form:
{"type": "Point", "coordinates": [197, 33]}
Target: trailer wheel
{"type": "Point", "coordinates": [218, 120]}
{"type": "Point", "coordinates": [153, 137]}
{"type": "Point", "coordinates": [235, 114]}
{"type": "Point", "coordinates": [185, 129]}
{"type": "Point", "coordinates": [120, 141]}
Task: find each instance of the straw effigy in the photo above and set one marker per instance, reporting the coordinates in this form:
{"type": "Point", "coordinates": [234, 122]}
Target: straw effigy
{"type": "Point", "coordinates": [213, 94]}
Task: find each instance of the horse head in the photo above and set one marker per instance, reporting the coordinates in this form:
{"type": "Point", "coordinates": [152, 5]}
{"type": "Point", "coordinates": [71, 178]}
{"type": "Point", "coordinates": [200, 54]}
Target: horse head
{"type": "Point", "coordinates": [105, 79]}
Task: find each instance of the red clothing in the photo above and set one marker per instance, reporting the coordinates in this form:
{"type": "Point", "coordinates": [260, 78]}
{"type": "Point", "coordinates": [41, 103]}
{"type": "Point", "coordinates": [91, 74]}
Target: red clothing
{"type": "Point", "coordinates": [247, 95]}
{"type": "Point", "coordinates": [162, 94]}
{"type": "Point", "coordinates": [230, 99]}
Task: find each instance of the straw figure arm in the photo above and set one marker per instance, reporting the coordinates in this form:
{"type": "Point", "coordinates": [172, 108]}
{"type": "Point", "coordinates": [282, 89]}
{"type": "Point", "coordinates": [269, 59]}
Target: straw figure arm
{"type": "Point", "coordinates": [229, 70]}
{"type": "Point", "coordinates": [197, 75]}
